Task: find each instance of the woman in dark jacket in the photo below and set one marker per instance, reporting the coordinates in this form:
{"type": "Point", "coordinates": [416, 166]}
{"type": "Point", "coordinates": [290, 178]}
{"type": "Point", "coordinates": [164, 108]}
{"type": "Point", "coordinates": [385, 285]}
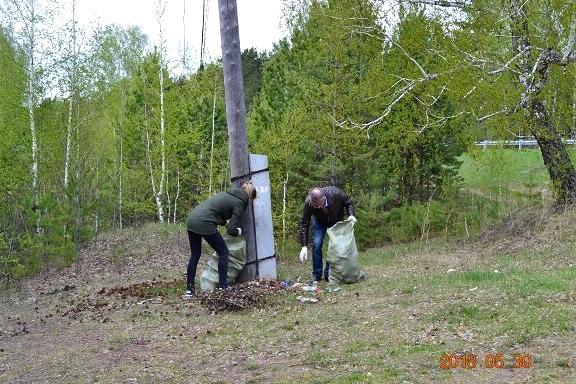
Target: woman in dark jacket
{"type": "Point", "coordinates": [203, 221]}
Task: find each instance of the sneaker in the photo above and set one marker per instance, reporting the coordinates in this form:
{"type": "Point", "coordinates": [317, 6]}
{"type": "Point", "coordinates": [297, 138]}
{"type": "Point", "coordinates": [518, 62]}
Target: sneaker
{"type": "Point", "coordinates": [188, 295]}
{"type": "Point", "coordinates": [315, 279]}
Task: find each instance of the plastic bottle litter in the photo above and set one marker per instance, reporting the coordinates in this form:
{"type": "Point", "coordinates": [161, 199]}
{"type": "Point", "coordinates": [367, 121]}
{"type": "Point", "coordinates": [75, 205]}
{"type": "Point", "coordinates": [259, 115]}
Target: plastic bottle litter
{"type": "Point", "coordinates": [304, 300]}
{"type": "Point", "coordinates": [312, 293]}
{"type": "Point", "coordinates": [331, 289]}
{"type": "Point", "coordinates": [311, 288]}
{"type": "Point", "coordinates": [295, 286]}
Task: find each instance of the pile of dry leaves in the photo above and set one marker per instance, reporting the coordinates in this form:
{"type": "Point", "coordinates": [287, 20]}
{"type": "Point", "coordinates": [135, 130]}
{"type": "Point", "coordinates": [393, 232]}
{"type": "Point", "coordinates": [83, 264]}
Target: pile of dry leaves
{"type": "Point", "coordinates": [242, 296]}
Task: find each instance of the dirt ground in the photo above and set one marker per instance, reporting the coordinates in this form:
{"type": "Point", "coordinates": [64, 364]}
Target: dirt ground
{"type": "Point", "coordinates": [117, 315]}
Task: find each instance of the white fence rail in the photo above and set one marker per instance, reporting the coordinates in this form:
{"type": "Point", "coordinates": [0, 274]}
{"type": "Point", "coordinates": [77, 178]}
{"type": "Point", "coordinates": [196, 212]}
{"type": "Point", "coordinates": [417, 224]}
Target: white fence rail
{"type": "Point", "coordinates": [520, 143]}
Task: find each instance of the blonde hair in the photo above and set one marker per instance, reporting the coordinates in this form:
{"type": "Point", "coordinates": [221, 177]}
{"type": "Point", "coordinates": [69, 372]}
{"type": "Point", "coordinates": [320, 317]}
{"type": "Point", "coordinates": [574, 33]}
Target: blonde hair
{"type": "Point", "coordinates": [250, 189]}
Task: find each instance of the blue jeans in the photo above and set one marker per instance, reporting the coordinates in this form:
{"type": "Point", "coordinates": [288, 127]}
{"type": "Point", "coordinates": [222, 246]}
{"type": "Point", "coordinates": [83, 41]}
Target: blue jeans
{"type": "Point", "coordinates": [318, 233]}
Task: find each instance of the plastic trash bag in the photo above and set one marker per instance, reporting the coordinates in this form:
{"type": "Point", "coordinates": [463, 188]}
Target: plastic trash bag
{"type": "Point", "coordinates": [236, 260]}
{"type": "Point", "coordinates": [343, 254]}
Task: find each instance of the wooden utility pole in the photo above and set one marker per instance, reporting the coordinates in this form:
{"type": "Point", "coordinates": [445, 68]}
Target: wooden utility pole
{"type": "Point", "coordinates": [236, 120]}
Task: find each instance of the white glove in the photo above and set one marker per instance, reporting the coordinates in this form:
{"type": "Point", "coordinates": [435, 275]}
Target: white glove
{"type": "Point", "coordinates": [352, 218]}
{"type": "Point", "coordinates": [303, 254]}
{"type": "Point", "coordinates": [239, 231]}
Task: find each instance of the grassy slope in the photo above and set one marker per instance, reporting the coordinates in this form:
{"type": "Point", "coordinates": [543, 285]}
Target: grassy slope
{"type": "Point", "coordinates": [508, 172]}
{"type": "Point", "coordinates": [511, 291]}
{"type": "Point", "coordinates": [391, 328]}
{"type": "Point", "coordinates": [496, 167]}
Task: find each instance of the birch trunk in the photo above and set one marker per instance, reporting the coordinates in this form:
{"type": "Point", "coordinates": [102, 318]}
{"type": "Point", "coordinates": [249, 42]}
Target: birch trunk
{"type": "Point", "coordinates": [70, 100]}
{"type": "Point", "coordinates": [68, 143]}
{"type": "Point", "coordinates": [151, 168]}
{"type": "Point", "coordinates": [31, 69]}
{"type": "Point", "coordinates": [212, 141]}
{"type": "Point", "coordinates": [168, 200]}
{"type": "Point", "coordinates": [121, 160]}
{"type": "Point", "coordinates": [556, 159]}
{"type": "Point", "coordinates": [177, 194]}
{"type": "Point", "coordinates": [160, 8]}
{"type": "Point", "coordinates": [573, 133]}
{"type": "Point", "coordinates": [118, 134]}
{"type": "Point", "coordinates": [78, 188]}
{"type": "Point", "coordinates": [532, 77]}
{"type": "Point", "coordinates": [162, 145]}
{"type": "Point", "coordinates": [285, 185]}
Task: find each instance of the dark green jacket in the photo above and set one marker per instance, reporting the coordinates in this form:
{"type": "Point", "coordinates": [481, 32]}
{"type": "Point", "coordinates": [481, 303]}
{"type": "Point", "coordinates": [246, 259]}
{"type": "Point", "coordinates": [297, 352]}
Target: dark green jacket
{"type": "Point", "coordinates": [205, 217]}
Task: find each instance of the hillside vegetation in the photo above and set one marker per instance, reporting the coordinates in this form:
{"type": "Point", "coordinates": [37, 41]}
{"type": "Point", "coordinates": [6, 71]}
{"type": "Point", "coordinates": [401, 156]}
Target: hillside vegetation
{"type": "Point", "coordinates": [116, 315]}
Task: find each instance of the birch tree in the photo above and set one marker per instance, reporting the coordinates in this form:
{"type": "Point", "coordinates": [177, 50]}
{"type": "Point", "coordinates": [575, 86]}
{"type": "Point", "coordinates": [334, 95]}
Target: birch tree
{"type": "Point", "coordinates": [212, 135]}
{"type": "Point", "coordinates": [116, 57]}
{"type": "Point", "coordinates": [533, 71]}
{"type": "Point", "coordinates": [71, 92]}
{"type": "Point", "coordinates": [158, 188]}
{"type": "Point", "coordinates": [512, 48]}
{"type": "Point", "coordinates": [28, 18]}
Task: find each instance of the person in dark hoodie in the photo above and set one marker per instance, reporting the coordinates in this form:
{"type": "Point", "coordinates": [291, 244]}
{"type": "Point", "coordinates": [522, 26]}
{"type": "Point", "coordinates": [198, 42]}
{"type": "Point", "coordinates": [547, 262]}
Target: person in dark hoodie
{"type": "Point", "coordinates": [203, 221]}
{"type": "Point", "coordinates": [325, 206]}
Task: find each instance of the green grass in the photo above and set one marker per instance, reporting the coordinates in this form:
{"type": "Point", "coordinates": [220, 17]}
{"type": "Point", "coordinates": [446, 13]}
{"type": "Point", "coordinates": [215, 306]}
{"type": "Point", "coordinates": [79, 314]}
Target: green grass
{"type": "Point", "coordinates": [494, 184]}
{"type": "Point", "coordinates": [420, 300]}
{"type": "Point", "coordinates": [501, 167]}
{"type": "Point", "coordinates": [391, 328]}
{"type": "Point", "coordinates": [519, 306]}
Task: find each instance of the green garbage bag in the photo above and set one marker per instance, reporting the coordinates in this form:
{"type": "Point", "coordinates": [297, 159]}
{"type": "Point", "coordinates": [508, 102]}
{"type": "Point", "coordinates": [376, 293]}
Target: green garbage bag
{"type": "Point", "coordinates": [343, 254]}
{"type": "Point", "coordinates": [236, 260]}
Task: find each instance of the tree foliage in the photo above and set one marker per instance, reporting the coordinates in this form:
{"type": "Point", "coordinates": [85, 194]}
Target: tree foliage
{"type": "Point", "coordinates": [381, 110]}
{"type": "Point", "coordinates": [336, 72]}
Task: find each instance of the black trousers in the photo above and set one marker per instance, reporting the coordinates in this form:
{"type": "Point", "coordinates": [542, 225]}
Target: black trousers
{"type": "Point", "coordinates": [215, 241]}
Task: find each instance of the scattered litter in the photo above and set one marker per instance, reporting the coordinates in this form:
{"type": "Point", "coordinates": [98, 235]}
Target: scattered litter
{"type": "Point", "coordinates": [451, 270]}
{"type": "Point", "coordinates": [310, 288]}
{"type": "Point", "coordinates": [303, 299]}
{"type": "Point", "coordinates": [331, 289]}
{"type": "Point", "coordinates": [473, 289]}
{"type": "Point", "coordinates": [147, 300]}
{"type": "Point", "coordinates": [496, 271]}
{"type": "Point", "coordinates": [296, 286]}
{"type": "Point", "coordinates": [287, 284]}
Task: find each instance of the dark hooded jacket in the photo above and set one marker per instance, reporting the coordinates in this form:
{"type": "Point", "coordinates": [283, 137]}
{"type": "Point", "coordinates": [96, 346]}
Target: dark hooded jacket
{"type": "Point", "coordinates": [205, 217]}
{"type": "Point", "coordinates": [337, 202]}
